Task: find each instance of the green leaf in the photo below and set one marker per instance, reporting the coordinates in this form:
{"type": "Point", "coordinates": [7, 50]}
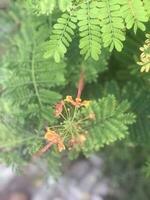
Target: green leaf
{"type": "Point", "coordinates": [60, 38]}
{"type": "Point", "coordinates": [111, 123]}
{"type": "Point", "coordinates": [134, 14]}
{"type": "Point", "coordinates": [112, 24]}
{"type": "Point", "coordinates": [89, 27]}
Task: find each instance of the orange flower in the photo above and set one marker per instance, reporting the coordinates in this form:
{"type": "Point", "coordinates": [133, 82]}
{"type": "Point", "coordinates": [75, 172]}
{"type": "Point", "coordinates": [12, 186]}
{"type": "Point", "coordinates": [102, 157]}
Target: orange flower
{"type": "Point", "coordinates": [77, 102]}
{"type": "Point", "coordinates": [69, 99]}
{"type": "Point", "coordinates": [59, 108]}
{"type": "Point", "coordinates": [53, 137]}
{"type": "Point", "coordinates": [60, 146]}
{"type": "Point", "coordinates": [78, 140]}
{"type": "Point", "coordinates": [92, 116]}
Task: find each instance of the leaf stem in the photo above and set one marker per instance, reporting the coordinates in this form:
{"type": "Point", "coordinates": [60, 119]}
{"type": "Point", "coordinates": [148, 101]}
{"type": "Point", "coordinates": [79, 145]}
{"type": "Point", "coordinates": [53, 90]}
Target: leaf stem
{"type": "Point", "coordinates": [34, 79]}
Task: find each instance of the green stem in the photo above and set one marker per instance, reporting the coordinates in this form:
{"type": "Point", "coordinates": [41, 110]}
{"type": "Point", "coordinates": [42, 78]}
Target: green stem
{"type": "Point", "coordinates": [74, 115]}
{"type": "Point", "coordinates": [34, 79]}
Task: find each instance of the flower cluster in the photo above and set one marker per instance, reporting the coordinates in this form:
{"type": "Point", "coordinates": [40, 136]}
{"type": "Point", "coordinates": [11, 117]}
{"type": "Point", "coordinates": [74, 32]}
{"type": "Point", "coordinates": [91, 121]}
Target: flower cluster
{"type": "Point", "coordinates": [70, 132]}
{"type": "Point", "coordinates": [77, 102]}
{"type": "Point", "coordinates": [73, 117]}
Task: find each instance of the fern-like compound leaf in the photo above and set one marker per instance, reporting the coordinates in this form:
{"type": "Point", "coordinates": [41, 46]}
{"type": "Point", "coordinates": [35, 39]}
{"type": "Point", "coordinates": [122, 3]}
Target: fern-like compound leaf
{"type": "Point", "coordinates": [101, 23]}
{"type": "Point", "coordinates": [32, 79]}
{"type": "Point", "coordinates": [89, 27]}
{"type": "Point", "coordinates": [111, 122]}
{"type": "Point", "coordinates": [134, 14]}
{"type": "Point", "coordinates": [146, 4]}
{"type": "Point", "coordinates": [61, 37]}
{"type": "Point", "coordinates": [112, 24]}
{"type": "Point", "coordinates": [46, 7]}
{"type": "Point", "coordinates": [64, 4]}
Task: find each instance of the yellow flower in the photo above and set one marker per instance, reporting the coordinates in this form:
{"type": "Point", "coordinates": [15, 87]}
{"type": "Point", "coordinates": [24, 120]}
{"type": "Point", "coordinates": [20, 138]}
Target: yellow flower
{"type": "Point", "coordinates": [145, 68]}
{"type": "Point", "coordinates": [77, 141]}
{"type": "Point", "coordinates": [55, 138]}
{"type": "Point", "coordinates": [77, 102]}
{"type": "Point", "coordinates": [145, 55]}
{"type": "Point", "coordinates": [69, 99]}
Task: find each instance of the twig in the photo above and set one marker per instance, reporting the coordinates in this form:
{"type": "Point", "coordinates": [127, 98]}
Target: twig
{"type": "Point", "coordinates": [80, 84]}
{"type": "Point", "coordinates": [43, 150]}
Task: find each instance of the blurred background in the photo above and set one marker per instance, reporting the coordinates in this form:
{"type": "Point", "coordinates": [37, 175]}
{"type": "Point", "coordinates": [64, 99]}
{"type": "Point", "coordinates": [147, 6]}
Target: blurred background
{"type": "Point", "coordinates": [101, 177]}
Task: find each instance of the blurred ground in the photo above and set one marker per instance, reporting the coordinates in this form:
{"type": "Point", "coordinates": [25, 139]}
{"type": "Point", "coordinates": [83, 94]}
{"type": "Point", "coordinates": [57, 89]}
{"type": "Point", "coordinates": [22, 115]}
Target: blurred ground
{"type": "Point", "coordinates": [82, 180]}
{"type": "Point", "coordinates": [3, 4]}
